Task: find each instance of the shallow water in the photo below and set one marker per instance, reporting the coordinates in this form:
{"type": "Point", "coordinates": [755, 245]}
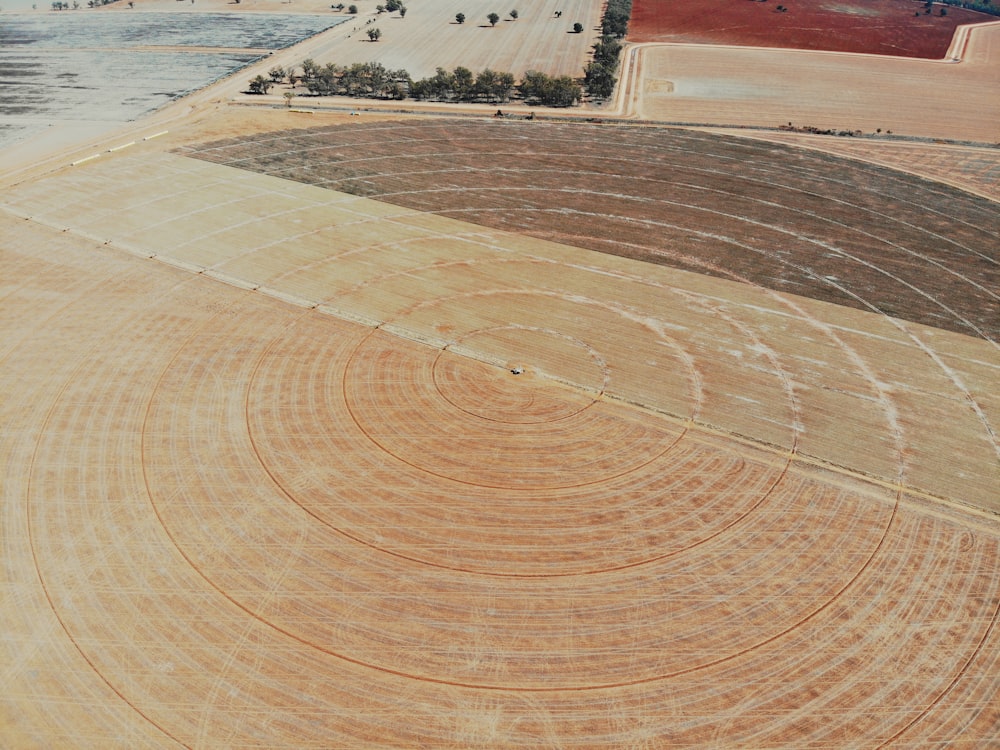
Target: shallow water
{"type": "Point", "coordinates": [80, 66]}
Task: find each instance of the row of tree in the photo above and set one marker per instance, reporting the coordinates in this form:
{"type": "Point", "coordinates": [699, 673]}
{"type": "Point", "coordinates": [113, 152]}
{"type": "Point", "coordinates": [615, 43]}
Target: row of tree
{"type": "Point", "coordinates": [599, 74]}
{"type": "Point", "coordinates": [983, 6]}
{"type": "Point", "coordinates": [373, 80]}
{"type": "Point", "coordinates": [369, 80]}
{"type": "Point", "coordinates": [462, 85]}
{"type": "Point", "coordinates": [616, 17]}
{"type": "Point", "coordinates": [59, 5]}
{"type": "Point", "coordinates": [551, 91]}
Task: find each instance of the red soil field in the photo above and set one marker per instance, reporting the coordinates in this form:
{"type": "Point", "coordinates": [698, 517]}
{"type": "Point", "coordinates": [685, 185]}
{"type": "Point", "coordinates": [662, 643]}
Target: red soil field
{"type": "Point", "coordinates": [887, 27]}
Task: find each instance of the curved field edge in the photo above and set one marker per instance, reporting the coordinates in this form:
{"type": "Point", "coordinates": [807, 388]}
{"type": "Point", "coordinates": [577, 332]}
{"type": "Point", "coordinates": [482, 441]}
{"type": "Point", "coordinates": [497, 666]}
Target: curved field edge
{"type": "Point", "coordinates": [820, 226]}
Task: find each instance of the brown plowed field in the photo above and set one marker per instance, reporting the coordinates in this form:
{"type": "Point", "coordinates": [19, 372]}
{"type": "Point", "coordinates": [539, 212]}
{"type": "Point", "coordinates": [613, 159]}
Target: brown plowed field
{"type": "Point", "coordinates": [814, 225]}
{"type": "Point", "coordinates": [270, 481]}
{"type": "Point", "coordinates": [887, 27]}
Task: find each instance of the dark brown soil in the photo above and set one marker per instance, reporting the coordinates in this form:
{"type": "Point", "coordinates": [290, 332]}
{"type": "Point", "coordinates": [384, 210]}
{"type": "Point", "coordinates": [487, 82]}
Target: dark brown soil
{"type": "Point", "coordinates": [882, 27]}
{"type": "Point", "coordinates": [791, 220]}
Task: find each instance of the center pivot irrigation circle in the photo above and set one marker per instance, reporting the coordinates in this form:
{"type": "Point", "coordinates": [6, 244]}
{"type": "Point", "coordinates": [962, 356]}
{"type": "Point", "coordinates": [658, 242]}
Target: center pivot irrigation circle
{"type": "Point", "coordinates": [520, 391]}
{"type": "Point", "coordinates": [475, 423]}
{"type": "Point", "coordinates": [449, 459]}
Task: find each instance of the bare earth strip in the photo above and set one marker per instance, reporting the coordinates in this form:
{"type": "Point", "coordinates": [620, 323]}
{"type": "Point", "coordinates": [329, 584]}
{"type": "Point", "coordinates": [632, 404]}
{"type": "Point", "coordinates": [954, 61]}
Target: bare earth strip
{"type": "Point", "coordinates": [270, 482]}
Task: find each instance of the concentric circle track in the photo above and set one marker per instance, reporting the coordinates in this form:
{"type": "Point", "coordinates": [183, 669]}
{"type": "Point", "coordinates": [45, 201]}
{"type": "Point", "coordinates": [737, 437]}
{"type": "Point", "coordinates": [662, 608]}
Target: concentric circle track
{"type": "Point", "coordinates": [298, 468]}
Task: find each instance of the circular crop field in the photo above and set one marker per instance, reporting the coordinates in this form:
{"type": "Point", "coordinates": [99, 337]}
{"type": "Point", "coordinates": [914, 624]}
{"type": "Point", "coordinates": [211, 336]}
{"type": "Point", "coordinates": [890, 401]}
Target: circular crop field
{"type": "Point", "coordinates": [889, 27]}
{"type": "Point", "coordinates": [783, 218]}
{"type": "Point", "coordinates": [287, 466]}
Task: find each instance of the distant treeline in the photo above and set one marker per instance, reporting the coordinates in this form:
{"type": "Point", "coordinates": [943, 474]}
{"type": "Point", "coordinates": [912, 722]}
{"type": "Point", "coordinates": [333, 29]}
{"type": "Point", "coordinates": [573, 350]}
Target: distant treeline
{"type": "Point", "coordinates": [59, 5]}
{"type": "Point", "coordinates": [983, 6]}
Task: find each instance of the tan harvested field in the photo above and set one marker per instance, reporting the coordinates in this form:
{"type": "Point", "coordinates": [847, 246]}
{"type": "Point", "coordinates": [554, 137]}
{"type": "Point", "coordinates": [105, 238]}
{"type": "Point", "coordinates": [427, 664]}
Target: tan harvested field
{"type": "Point", "coordinates": [269, 479]}
{"type": "Point", "coordinates": [428, 36]}
{"type": "Point", "coordinates": [698, 84]}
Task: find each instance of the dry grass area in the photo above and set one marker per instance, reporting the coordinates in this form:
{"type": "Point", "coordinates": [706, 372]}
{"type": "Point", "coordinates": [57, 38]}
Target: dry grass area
{"type": "Point", "coordinates": [270, 482]}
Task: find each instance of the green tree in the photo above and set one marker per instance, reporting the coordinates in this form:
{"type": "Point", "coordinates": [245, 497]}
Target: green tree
{"type": "Point", "coordinates": [503, 86]}
{"type": "Point", "coordinates": [493, 18]}
{"type": "Point", "coordinates": [260, 85]}
{"type": "Point", "coordinates": [607, 50]}
{"type": "Point", "coordinates": [483, 88]}
{"type": "Point", "coordinates": [398, 85]}
{"type": "Point", "coordinates": [538, 88]}
{"type": "Point", "coordinates": [513, 15]}
{"type": "Point", "coordinates": [460, 18]}
{"type": "Point", "coordinates": [374, 34]}
{"type": "Point", "coordinates": [309, 69]}
{"type": "Point", "coordinates": [563, 92]}
{"type": "Point", "coordinates": [577, 28]}
{"type": "Point", "coordinates": [616, 16]}
{"type": "Point", "coordinates": [277, 74]}
{"type": "Point", "coordinates": [491, 86]}
{"type": "Point", "coordinates": [463, 84]}
{"type": "Point", "coordinates": [440, 86]}
{"type": "Point", "coordinates": [352, 9]}
{"type": "Point", "coordinates": [600, 80]}
{"type": "Point", "coordinates": [325, 81]}
{"type": "Point", "coordinates": [402, 11]}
